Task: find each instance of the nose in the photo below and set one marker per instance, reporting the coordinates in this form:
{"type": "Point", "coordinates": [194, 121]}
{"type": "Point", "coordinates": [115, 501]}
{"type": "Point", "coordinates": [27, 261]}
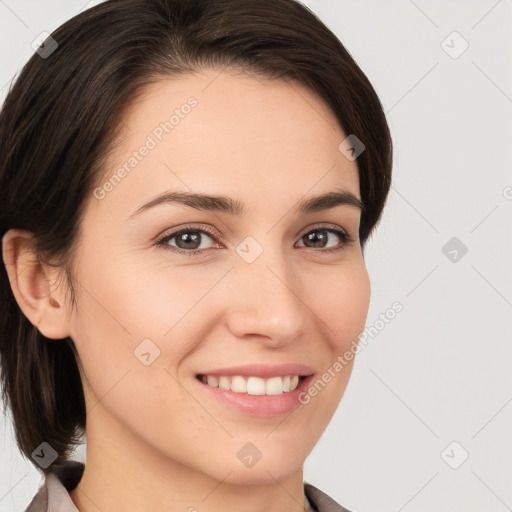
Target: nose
{"type": "Point", "coordinates": [264, 300]}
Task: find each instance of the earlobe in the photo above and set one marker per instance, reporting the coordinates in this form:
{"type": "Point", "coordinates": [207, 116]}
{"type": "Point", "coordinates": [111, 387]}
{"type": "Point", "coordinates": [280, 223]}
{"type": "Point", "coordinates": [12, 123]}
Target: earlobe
{"type": "Point", "coordinates": [31, 285]}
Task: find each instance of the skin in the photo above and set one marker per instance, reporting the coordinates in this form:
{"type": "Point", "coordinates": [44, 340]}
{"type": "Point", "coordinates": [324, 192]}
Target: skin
{"type": "Point", "coordinates": [155, 440]}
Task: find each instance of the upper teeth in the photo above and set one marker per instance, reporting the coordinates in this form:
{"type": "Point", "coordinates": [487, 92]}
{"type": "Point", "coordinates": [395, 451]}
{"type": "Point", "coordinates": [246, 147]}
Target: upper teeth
{"type": "Point", "coordinates": [253, 385]}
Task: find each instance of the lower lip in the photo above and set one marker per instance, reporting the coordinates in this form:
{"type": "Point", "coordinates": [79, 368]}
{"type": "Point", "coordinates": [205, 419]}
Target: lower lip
{"type": "Point", "coordinates": [259, 405]}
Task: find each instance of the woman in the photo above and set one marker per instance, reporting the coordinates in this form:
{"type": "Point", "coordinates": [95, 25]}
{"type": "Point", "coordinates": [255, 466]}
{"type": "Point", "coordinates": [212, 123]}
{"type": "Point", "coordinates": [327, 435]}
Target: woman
{"type": "Point", "coordinates": [202, 376]}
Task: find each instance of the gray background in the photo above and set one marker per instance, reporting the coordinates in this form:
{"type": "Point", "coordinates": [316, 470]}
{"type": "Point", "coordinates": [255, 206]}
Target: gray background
{"type": "Point", "coordinates": [435, 384]}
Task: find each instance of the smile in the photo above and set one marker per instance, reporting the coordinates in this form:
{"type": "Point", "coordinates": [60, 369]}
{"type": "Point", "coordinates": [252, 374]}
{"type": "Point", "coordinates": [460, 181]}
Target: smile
{"type": "Point", "coordinates": [253, 385]}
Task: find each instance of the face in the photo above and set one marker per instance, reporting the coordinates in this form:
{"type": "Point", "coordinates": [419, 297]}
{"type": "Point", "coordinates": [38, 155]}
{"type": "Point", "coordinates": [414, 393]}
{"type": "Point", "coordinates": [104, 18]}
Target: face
{"type": "Point", "coordinates": [173, 291]}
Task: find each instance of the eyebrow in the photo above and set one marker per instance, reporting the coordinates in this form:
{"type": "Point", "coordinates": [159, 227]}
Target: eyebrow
{"type": "Point", "coordinates": [234, 207]}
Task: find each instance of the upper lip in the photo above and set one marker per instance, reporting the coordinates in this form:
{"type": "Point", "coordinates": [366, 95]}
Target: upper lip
{"type": "Point", "coordinates": [262, 370]}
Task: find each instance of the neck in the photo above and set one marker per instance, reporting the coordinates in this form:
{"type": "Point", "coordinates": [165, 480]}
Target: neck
{"type": "Point", "coordinates": [140, 478]}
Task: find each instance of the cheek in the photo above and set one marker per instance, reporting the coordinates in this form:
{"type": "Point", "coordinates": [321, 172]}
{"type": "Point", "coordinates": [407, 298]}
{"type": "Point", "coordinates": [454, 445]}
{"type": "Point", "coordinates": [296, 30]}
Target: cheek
{"type": "Point", "coordinates": [342, 303]}
{"type": "Point", "coordinates": [342, 306]}
{"type": "Point", "coordinates": [128, 311]}
{"type": "Point", "coordinates": [117, 311]}
{"type": "Point", "coordinates": [133, 302]}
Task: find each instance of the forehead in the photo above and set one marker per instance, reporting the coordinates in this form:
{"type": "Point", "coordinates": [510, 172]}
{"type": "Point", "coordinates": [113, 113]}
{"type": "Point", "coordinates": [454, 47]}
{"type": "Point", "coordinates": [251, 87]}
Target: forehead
{"type": "Point", "coordinates": [229, 134]}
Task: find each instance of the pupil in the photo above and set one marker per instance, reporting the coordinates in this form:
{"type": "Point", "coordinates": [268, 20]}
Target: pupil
{"type": "Point", "coordinates": [317, 240]}
{"type": "Point", "coordinates": [187, 238]}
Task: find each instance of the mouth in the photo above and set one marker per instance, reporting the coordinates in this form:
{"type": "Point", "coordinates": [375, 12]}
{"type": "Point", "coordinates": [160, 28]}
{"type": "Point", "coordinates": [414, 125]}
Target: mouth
{"type": "Point", "coordinates": [253, 385]}
{"type": "Point", "coordinates": [252, 395]}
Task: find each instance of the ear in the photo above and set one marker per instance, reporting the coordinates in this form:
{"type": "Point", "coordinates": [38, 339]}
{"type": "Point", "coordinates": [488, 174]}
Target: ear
{"type": "Point", "coordinates": [31, 283]}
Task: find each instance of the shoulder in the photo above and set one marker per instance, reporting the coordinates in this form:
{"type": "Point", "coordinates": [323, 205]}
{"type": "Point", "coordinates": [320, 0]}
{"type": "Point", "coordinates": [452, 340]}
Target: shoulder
{"type": "Point", "coordinates": [53, 493]}
{"type": "Point", "coordinates": [39, 502]}
{"type": "Point", "coordinates": [320, 501]}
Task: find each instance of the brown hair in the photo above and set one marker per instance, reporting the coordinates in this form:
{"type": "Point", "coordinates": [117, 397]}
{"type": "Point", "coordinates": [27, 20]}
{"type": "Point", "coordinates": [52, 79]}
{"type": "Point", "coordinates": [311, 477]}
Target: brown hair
{"type": "Point", "coordinates": [60, 120]}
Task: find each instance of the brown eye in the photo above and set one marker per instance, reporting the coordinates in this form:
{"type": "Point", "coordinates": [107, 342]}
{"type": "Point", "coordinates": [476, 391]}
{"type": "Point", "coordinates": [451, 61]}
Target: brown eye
{"type": "Point", "coordinates": [187, 241]}
{"type": "Point", "coordinates": [319, 239]}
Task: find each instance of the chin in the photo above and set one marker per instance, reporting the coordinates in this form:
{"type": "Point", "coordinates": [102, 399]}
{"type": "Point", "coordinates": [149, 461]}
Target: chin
{"type": "Point", "coordinates": [261, 474]}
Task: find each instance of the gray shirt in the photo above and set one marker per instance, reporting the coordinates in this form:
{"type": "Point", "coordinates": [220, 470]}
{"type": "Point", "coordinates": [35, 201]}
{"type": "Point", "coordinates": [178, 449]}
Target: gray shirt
{"type": "Point", "coordinates": [53, 493]}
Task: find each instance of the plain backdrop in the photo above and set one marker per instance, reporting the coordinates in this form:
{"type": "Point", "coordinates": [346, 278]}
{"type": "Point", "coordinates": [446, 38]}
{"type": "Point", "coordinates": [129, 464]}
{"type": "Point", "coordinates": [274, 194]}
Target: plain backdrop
{"type": "Point", "coordinates": [425, 423]}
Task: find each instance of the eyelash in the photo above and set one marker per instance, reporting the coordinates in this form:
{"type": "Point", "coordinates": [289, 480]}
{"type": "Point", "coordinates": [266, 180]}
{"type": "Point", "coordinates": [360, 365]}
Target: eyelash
{"type": "Point", "coordinates": [345, 239]}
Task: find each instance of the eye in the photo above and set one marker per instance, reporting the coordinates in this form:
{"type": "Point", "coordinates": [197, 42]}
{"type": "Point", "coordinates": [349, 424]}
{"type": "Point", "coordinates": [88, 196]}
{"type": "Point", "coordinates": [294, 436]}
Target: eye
{"type": "Point", "coordinates": [319, 237]}
{"type": "Point", "coordinates": [189, 240]}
